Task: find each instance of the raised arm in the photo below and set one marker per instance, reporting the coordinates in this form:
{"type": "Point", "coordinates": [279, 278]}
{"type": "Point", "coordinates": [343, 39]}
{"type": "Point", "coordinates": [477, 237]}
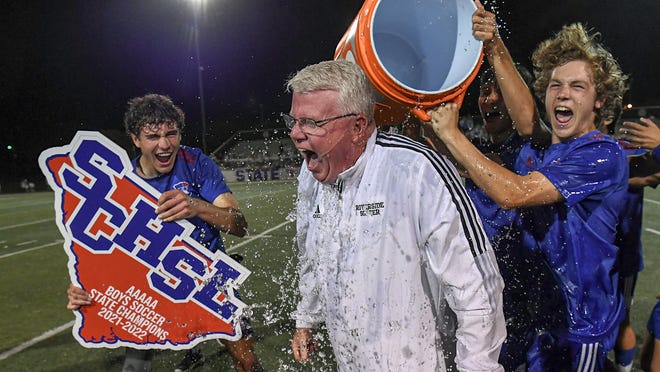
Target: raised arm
{"type": "Point", "coordinates": [515, 92]}
{"type": "Point", "coordinates": [508, 189]}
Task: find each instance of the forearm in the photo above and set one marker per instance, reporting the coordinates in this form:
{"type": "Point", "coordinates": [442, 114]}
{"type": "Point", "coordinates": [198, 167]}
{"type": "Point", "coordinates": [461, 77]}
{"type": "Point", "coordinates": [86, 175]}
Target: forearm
{"type": "Point", "coordinates": [472, 287]}
{"type": "Point", "coordinates": [479, 342]}
{"type": "Point", "coordinates": [640, 182]}
{"type": "Point", "coordinates": [498, 182]}
{"type": "Point", "coordinates": [517, 96]}
{"type": "Point", "coordinates": [228, 220]}
{"type": "Point", "coordinates": [308, 313]}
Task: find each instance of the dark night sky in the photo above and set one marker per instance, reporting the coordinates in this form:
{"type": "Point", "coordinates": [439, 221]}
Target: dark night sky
{"type": "Point", "coordinates": [70, 65]}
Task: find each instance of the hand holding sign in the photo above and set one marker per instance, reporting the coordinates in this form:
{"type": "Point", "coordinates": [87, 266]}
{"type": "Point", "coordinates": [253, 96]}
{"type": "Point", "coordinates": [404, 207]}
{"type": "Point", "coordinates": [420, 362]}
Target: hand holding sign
{"type": "Point", "coordinates": [144, 281]}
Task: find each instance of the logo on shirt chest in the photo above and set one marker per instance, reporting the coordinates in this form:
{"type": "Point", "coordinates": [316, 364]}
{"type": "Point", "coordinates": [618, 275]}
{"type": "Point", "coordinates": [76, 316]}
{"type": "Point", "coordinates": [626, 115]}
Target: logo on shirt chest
{"type": "Point", "coordinates": [183, 186]}
{"type": "Point", "coordinates": [317, 212]}
{"type": "Point", "coordinates": [369, 209]}
{"type": "Point", "coordinates": [529, 162]}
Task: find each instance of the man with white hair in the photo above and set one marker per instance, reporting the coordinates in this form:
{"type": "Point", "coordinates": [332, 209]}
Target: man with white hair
{"type": "Point", "coordinates": [393, 257]}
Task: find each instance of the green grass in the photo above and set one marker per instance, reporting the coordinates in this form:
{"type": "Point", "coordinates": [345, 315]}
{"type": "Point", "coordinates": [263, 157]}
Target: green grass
{"type": "Point", "coordinates": [34, 282]}
{"type": "Point", "coordinates": [647, 282]}
{"type": "Point", "coordinates": [33, 289]}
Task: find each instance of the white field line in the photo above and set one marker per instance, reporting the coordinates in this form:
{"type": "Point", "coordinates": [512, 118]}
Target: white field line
{"type": "Point", "coordinates": [32, 249]}
{"type": "Point", "coordinates": [262, 235]}
{"type": "Point", "coordinates": [25, 243]}
{"type": "Point", "coordinates": [25, 224]}
{"type": "Point", "coordinates": [68, 325]}
{"type": "Point", "coordinates": [656, 232]}
{"type": "Point", "coordinates": [51, 219]}
{"type": "Point", "coordinates": [652, 201]}
{"type": "Point", "coordinates": [13, 207]}
{"type": "Point", "coordinates": [652, 231]}
{"type": "Point", "coordinates": [43, 336]}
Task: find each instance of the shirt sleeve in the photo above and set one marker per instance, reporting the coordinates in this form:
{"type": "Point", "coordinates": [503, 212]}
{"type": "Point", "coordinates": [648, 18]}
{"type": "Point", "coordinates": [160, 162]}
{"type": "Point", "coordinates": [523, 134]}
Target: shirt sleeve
{"type": "Point", "coordinates": [585, 170]}
{"type": "Point", "coordinates": [308, 313]}
{"type": "Point", "coordinates": [211, 181]}
{"type": "Point", "coordinates": [461, 262]}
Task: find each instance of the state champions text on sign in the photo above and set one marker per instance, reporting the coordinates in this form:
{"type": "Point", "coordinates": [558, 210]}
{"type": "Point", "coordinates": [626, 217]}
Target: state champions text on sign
{"type": "Point", "coordinates": [152, 285]}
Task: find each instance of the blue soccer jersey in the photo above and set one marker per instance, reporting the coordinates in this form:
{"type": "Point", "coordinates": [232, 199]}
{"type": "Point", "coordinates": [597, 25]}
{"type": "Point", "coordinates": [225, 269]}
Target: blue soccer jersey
{"type": "Point", "coordinates": [198, 176]}
{"type": "Point", "coordinates": [629, 231]}
{"type": "Point", "coordinates": [577, 235]}
{"type": "Point", "coordinates": [629, 234]}
{"type": "Point", "coordinates": [524, 273]}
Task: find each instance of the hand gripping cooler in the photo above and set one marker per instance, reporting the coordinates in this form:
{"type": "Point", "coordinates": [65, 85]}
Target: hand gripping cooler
{"type": "Point", "coordinates": [416, 53]}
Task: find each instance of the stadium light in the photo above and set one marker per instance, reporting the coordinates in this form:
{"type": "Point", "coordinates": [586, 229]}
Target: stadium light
{"type": "Point", "coordinates": [198, 9]}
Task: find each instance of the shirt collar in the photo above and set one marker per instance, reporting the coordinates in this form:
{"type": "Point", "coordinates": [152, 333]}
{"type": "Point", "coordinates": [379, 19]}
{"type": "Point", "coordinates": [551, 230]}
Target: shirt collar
{"type": "Point", "coordinates": [354, 173]}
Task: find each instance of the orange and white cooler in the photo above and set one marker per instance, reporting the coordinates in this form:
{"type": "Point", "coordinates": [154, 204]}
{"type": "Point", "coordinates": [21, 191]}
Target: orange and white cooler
{"type": "Point", "coordinates": [416, 53]}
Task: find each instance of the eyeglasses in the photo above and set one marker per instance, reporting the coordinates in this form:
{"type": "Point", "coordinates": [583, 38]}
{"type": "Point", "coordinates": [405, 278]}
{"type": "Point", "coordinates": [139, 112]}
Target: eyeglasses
{"type": "Point", "coordinates": [310, 124]}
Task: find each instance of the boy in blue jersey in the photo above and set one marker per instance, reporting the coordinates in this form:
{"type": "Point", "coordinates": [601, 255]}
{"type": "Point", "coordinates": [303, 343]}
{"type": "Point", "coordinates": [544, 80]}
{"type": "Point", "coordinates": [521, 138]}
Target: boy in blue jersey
{"type": "Point", "coordinates": [646, 135]}
{"type": "Point", "coordinates": [569, 194]}
{"type": "Point", "coordinates": [643, 173]}
{"type": "Point", "coordinates": [510, 118]}
{"type": "Point", "coordinates": [629, 241]}
{"type": "Point", "coordinates": [192, 188]}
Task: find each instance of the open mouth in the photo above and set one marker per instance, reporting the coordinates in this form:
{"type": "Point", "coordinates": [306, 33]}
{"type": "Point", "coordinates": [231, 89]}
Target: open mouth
{"type": "Point", "coordinates": [490, 116]}
{"type": "Point", "coordinates": [164, 158]}
{"type": "Point", "coordinates": [308, 155]}
{"type": "Point", "coordinates": [563, 115]}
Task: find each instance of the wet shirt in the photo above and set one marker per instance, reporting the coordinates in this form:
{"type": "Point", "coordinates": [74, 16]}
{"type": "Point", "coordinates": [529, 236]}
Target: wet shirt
{"type": "Point", "coordinates": [524, 272]}
{"type": "Point", "coordinates": [629, 231]}
{"type": "Point", "coordinates": [198, 176]}
{"type": "Point", "coordinates": [502, 226]}
{"type": "Point", "coordinates": [577, 235]}
{"type": "Point", "coordinates": [388, 253]}
{"type": "Point", "coordinates": [499, 224]}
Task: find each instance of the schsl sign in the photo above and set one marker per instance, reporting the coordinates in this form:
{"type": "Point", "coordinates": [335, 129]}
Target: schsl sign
{"type": "Point", "coordinates": [152, 285]}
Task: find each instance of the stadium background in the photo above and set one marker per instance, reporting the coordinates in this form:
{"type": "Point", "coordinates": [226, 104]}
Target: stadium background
{"type": "Point", "coordinates": [260, 166]}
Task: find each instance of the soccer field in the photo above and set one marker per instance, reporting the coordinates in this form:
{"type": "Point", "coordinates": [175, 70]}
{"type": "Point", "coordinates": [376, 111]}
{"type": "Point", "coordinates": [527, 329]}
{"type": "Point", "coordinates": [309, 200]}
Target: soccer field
{"type": "Point", "coordinates": [36, 327]}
